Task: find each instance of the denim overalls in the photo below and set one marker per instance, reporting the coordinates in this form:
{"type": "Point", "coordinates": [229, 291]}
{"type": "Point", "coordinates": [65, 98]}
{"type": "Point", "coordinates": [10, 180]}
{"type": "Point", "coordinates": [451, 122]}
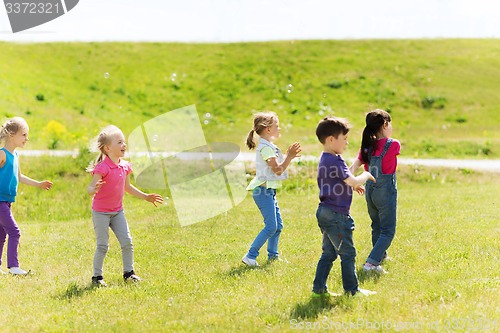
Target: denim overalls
{"type": "Point", "coordinates": [381, 199]}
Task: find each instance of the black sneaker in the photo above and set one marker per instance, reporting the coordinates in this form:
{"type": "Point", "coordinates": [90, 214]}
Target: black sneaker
{"type": "Point", "coordinates": [98, 281]}
{"type": "Point", "coordinates": [130, 276]}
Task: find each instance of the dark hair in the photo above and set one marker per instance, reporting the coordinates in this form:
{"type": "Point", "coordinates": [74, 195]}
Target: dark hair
{"type": "Point", "coordinates": [332, 126]}
{"type": "Point", "coordinates": [261, 121]}
{"type": "Point", "coordinates": [374, 121]}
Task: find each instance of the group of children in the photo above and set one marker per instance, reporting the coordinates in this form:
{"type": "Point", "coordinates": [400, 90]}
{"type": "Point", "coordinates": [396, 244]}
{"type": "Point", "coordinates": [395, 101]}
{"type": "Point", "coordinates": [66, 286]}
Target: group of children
{"type": "Point", "coordinates": [336, 181]}
{"type": "Point", "coordinates": [110, 179]}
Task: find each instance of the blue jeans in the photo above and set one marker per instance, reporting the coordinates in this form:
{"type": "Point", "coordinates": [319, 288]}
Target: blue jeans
{"type": "Point", "coordinates": [381, 200]}
{"type": "Point", "coordinates": [265, 198]}
{"type": "Point", "coordinates": [337, 241]}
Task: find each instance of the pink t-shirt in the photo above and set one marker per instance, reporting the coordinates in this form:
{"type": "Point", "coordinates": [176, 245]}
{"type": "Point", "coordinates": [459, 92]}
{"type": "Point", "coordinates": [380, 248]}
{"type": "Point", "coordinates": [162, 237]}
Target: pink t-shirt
{"type": "Point", "coordinates": [390, 161]}
{"type": "Point", "coordinates": [109, 198]}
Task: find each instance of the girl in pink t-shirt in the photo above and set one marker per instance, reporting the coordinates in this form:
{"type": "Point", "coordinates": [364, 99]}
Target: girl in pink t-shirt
{"type": "Point", "coordinates": [379, 155]}
{"type": "Point", "coordinates": [110, 180]}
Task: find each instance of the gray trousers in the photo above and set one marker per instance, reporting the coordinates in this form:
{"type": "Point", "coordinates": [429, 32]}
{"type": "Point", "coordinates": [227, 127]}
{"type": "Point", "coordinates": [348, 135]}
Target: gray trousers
{"type": "Point", "coordinates": [117, 222]}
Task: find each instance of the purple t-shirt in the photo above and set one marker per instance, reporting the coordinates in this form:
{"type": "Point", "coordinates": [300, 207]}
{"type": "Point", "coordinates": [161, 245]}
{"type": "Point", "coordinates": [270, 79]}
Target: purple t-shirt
{"type": "Point", "coordinates": [334, 193]}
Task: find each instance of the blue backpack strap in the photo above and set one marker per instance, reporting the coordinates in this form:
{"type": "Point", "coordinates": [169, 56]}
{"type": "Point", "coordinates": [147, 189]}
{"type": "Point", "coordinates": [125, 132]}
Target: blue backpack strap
{"type": "Point", "coordinates": [386, 147]}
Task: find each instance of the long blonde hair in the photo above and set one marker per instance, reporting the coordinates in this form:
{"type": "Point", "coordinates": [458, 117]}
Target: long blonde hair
{"type": "Point", "coordinates": [261, 121]}
{"type": "Point", "coordinates": [103, 139]}
{"type": "Point", "coordinates": [11, 127]}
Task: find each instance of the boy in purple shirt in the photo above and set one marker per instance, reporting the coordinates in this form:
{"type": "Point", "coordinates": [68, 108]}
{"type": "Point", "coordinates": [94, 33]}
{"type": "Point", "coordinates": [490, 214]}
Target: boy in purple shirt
{"type": "Point", "coordinates": [336, 184]}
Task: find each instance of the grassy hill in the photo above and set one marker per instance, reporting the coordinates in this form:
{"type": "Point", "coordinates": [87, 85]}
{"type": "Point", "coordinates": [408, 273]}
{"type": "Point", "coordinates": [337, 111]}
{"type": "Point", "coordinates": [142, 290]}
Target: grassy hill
{"type": "Point", "coordinates": [442, 94]}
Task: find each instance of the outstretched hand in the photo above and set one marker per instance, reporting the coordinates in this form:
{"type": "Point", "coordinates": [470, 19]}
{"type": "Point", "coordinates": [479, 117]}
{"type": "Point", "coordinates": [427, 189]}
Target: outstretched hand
{"type": "Point", "coordinates": [98, 185]}
{"type": "Point", "coordinates": [360, 189]}
{"type": "Point", "coordinates": [45, 184]}
{"type": "Point", "coordinates": [294, 150]}
{"type": "Point", "coordinates": [370, 176]}
{"type": "Point", "coordinates": [154, 199]}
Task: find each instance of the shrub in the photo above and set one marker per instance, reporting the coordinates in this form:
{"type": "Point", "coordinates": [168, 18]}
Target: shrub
{"type": "Point", "coordinates": [56, 133]}
{"type": "Point", "coordinates": [334, 84]}
{"type": "Point", "coordinates": [430, 102]}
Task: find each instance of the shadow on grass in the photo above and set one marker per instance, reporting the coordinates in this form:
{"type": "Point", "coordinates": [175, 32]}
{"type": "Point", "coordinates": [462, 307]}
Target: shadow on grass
{"type": "Point", "coordinates": [243, 269]}
{"type": "Point", "coordinates": [75, 291]}
{"type": "Point", "coordinates": [368, 276]}
{"type": "Point", "coordinates": [315, 306]}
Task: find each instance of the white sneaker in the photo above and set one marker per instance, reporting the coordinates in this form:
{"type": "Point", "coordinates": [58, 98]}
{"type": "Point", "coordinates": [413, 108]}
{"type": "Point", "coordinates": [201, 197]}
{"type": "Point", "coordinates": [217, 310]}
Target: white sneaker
{"type": "Point", "coordinates": [365, 292]}
{"type": "Point", "coordinates": [17, 271]}
{"type": "Point", "coordinates": [374, 268]}
{"type": "Point", "coordinates": [249, 262]}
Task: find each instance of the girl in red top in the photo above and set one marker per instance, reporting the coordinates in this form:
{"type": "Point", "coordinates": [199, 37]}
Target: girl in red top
{"type": "Point", "coordinates": [379, 155]}
{"type": "Point", "coordinates": [111, 178]}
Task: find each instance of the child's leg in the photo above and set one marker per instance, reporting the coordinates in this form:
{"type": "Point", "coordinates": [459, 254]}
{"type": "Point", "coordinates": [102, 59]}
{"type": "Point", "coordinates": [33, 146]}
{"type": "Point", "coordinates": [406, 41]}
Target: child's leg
{"type": "Point", "coordinates": [272, 242]}
{"type": "Point", "coordinates": [374, 215]}
{"type": "Point", "coordinates": [264, 198]}
{"type": "Point", "coordinates": [10, 228]}
{"type": "Point", "coordinates": [347, 253]}
{"type": "Point", "coordinates": [3, 237]}
{"type": "Point", "coordinates": [386, 204]}
{"type": "Point", "coordinates": [325, 263]}
{"type": "Point", "coordinates": [120, 228]}
{"type": "Point", "coordinates": [338, 228]}
{"type": "Point", "coordinates": [101, 229]}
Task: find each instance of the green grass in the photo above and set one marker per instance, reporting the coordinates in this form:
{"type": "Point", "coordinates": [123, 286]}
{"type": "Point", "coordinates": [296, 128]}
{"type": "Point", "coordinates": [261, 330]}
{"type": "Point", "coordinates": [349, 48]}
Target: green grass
{"type": "Point", "coordinates": [442, 94]}
{"type": "Point", "coordinates": [442, 273]}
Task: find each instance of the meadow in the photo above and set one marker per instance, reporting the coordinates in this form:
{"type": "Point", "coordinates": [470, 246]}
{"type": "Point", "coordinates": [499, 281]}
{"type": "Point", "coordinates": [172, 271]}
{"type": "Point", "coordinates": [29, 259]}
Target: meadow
{"type": "Point", "coordinates": [442, 275]}
{"type": "Point", "coordinates": [442, 94]}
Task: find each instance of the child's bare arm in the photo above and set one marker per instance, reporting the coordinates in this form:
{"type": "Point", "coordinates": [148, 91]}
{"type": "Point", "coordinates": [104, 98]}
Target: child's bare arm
{"type": "Point", "coordinates": [44, 184]}
{"type": "Point", "coordinates": [357, 181]}
{"type": "Point", "coordinates": [3, 157]}
{"type": "Point", "coordinates": [355, 166]}
{"type": "Point", "coordinates": [292, 152]}
{"type": "Point", "coordinates": [95, 184]}
{"type": "Point", "coordinates": [151, 197]}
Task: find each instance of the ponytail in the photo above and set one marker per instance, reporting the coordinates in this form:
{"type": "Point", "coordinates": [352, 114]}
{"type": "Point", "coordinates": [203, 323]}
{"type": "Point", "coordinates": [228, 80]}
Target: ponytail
{"type": "Point", "coordinates": [367, 144]}
{"type": "Point", "coordinates": [375, 120]}
{"type": "Point", "coordinates": [103, 139]}
{"type": "Point", "coordinates": [92, 164]}
{"type": "Point", "coordinates": [250, 143]}
{"type": "Point", "coordinates": [261, 121]}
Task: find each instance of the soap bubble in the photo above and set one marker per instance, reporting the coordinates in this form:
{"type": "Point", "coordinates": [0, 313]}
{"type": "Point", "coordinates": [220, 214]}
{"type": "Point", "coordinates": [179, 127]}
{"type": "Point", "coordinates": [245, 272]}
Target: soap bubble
{"type": "Point", "coordinates": [106, 75]}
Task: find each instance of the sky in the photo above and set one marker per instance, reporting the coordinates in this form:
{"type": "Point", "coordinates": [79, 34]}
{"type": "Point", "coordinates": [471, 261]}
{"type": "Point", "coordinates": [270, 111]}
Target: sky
{"type": "Point", "coordinates": [261, 20]}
